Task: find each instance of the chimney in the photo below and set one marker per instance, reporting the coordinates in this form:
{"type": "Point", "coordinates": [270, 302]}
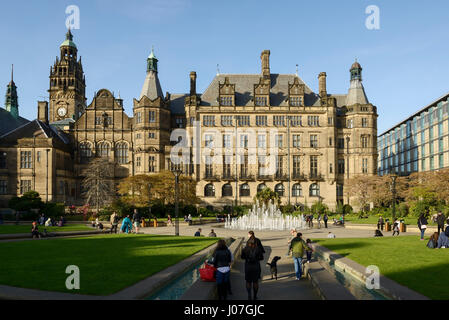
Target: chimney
{"type": "Point", "coordinates": [322, 84]}
{"type": "Point", "coordinates": [193, 83]}
{"type": "Point", "coordinates": [42, 111]}
{"type": "Point", "coordinates": [265, 57]}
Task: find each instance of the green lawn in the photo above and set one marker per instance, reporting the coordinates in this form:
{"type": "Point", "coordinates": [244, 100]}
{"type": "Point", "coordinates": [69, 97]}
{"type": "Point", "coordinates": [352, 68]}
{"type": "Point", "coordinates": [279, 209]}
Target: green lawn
{"type": "Point", "coordinates": [373, 220]}
{"type": "Point", "coordinates": [13, 229]}
{"type": "Point", "coordinates": [405, 260]}
{"type": "Point", "coordinates": [107, 264]}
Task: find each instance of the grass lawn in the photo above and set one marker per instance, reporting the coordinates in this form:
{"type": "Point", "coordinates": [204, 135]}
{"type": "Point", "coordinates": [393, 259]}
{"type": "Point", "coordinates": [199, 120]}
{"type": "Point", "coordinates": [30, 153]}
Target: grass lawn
{"type": "Point", "coordinates": [373, 220]}
{"type": "Point", "coordinates": [107, 264]}
{"type": "Point", "coordinates": [405, 260]}
{"type": "Point", "coordinates": [13, 229]}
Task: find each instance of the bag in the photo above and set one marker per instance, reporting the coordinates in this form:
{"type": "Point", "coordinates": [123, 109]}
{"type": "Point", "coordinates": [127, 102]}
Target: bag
{"type": "Point", "coordinates": [207, 273]}
{"type": "Point", "coordinates": [431, 244]}
{"type": "Point", "coordinates": [423, 226]}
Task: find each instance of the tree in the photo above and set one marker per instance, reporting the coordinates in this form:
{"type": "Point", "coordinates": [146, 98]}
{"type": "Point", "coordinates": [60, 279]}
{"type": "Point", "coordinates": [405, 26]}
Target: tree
{"type": "Point", "coordinates": [142, 189]}
{"type": "Point", "coordinates": [362, 189]}
{"type": "Point", "coordinates": [266, 196]}
{"type": "Point", "coordinates": [98, 183]}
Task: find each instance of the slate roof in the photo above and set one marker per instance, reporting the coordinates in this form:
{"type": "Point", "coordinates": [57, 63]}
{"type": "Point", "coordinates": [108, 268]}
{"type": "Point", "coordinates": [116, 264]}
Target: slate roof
{"type": "Point", "coordinates": [29, 130]}
{"type": "Point", "coordinates": [177, 103]}
{"type": "Point", "coordinates": [9, 123]}
{"type": "Point", "coordinates": [151, 87]}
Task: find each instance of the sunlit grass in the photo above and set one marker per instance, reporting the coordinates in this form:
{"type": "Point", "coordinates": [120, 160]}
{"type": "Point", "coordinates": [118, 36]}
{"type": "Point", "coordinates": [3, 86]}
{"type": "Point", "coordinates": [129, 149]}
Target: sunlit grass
{"type": "Point", "coordinates": [13, 229]}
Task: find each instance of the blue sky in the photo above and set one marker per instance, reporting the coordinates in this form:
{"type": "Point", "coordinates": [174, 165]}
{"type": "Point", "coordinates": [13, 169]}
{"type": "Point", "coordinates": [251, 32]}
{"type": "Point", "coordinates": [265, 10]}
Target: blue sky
{"type": "Point", "coordinates": [405, 63]}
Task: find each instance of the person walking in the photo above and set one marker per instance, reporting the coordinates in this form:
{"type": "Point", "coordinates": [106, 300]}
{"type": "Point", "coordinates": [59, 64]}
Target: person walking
{"type": "Point", "coordinates": [380, 223]}
{"type": "Point", "coordinates": [170, 221]}
{"type": "Point", "coordinates": [396, 229]}
{"type": "Point", "coordinates": [422, 225]}
{"type": "Point", "coordinates": [440, 221]}
{"type": "Point", "coordinates": [252, 254]}
{"type": "Point", "coordinates": [222, 262]}
{"type": "Point", "coordinates": [325, 219]}
{"type": "Point", "coordinates": [251, 235]}
{"type": "Point", "coordinates": [114, 222]}
{"type": "Point", "coordinates": [126, 225]}
{"type": "Point", "coordinates": [136, 220]}
{"type": "Point", "coordinates": [297, 246]}
{"type": "Point", "coordinates": [318, 219]}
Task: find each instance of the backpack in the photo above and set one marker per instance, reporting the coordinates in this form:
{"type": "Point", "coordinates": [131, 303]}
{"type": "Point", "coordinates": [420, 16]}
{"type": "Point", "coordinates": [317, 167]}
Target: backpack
{"type": "Point", "coordinates": [446, 232]}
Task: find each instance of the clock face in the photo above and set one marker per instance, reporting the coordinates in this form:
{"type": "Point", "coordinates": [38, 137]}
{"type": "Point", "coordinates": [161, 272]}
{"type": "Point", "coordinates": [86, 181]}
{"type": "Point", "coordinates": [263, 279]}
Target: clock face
{"type": "Point", "coordinates": [62, 111]}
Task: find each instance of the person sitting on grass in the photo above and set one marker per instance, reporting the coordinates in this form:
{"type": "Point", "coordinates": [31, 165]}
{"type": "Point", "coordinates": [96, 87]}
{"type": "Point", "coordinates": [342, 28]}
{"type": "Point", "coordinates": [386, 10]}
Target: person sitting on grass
{"type": "Point", "coordinates": [433, 241]}
{"type": "Point", "coordinates": [378, 233]}
{"type": "Point", "coordinates": [212, 234]}
{"type": "Point", "coordinates": [198, 233]}
{"type": "Point", "coordinates": [443, 239]}
{"type": "Point", "coordinates": [35, 231]}
{"type": "Point", "coordinates": [48, 223]}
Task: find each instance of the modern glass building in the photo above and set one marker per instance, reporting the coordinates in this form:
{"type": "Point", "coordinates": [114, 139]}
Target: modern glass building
{"type": "Point", "coordinates": [419, 143]}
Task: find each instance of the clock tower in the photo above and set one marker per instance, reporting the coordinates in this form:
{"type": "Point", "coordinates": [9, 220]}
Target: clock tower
{"type": "Point", "coordinates": [67, 83]}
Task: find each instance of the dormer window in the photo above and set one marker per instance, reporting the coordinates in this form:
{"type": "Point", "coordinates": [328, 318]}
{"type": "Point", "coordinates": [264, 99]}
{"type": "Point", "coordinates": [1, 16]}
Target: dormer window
{"type": "Point", "coordinates": [296, 101]}
{"type": "Point", "coordinates": [226, 93]}
{"type": "Point", "coordinates": [261, 101]}
{"type": "Point", "coordinates": [226, 101]}
{"type": "Point", "coordinates": [296, 92]}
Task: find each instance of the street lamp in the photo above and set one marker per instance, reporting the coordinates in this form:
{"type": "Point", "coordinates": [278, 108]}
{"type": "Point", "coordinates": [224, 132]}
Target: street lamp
{"type": "Point", "coordinates": [393, 177]}
{"type": "Point", "coordinates": [177, 171]}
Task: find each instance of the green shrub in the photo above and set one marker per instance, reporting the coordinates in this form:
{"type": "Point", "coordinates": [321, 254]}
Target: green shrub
{"type": "Point", "coordinates": [288, 209]}
{"type": "Point", "coordinates": [319, 208]}
{"type": "Point", "coordinates": [403, 210]}
{"type": "Point", "coordinates": [54, 210]}
{"type": "Point", "coordinates": [190, 209]}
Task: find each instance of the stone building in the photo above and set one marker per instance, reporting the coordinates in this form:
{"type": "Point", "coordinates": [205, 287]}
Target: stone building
{"type": "Point", "coordinates": [245, 132]}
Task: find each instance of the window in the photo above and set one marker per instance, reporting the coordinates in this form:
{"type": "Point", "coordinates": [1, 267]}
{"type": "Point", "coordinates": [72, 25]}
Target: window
{"type": "Point", "coordinates": [226, 101]}
{"type": "Point", "coordinates": [314, 190]}
{"type": "Point", "coordinates": [209, 190]}
{"type": "Point", "coordinates": [364, 122]}
{"type": "Point", "coordinates": [280, 189]}
{"type": "Point", "coordinates": [226, 121]}
{"type": "Point", "coordinates": [151, 164]}
{"type": "Point", "coordinates": [331, 168]}
{"type": "Point", "coordinates": [244, 166]}
{"type": "Point", "coordinates": [98, 121]}
{"type": "Point", "coordinates": [313, 166]}
{"type": "Point", "coordinates": [151, 135]}
{"type": "Point", "coordinates": [261, 187]}
{"type": "Point", "coordinates": [350, 124]}
{"type": "Point", "coordinates": [25, 160]}
{"type": "Point", "coordinates": [209, 167]}
{"type": "Point", "coordinates": [226, 191]}
{"type": "Point", "coordinates": [364, 141]}
{"type": "Point", "coordinates": [341, 143]}
{"type": "Point", "coordinates": [209, 141]}
{"type": "Point", "coordinates": [313, 121]}
{"type": "Point", "coordinates": [364, 165]}
{"type": "Point", "coordinates": [296, 121]}
{"type": "Point", "coordinates": [341, 166]}
{"type": "Point", "coordinates": [245, 190]}
{"type": "Point", "coordinates": [103, 149]}
{"type": "Point", "coordinates": [152, 117]}
{"type": "Point", "coordinates": [260, 101]}
{"type": "Point", "coordinates": [3, 160]}
{"type": "Point", "coordinates": [226, 141]}
{"type": "Point", "coordinates": [121, 153]}
{"type": "Point", "coordinates": [180, 122]}
{"type": "Point", "coordinates": [244, 141]}
{"type": "Point", "coordinates": [279, 141]}
{"type": "Point", "coordinates": [3, 187]}
{"type": "Point", "coordinates": [296, 141]}
{"type": "Point", "coordinates": [339, 190]}
{"type": "Point", "coordinates": [441, 145]}
{"type": "Point", "coordinates": [25, 186]}
{"type": "Point", "coordinates": [296, 166]}
{"type": "Point", "coordinates": [262, 141]}
{"type": "Point", "coordinates": [296, 101]}
{"type": "Point", "coordinates": [432, 164]}
{"type": "Point", "coordinates": [279, 121]}
{"type": "Point", "coordinates": [279, 166]}
{"type": "Point", "coordinates": [261, 165]}
{"type": "Point", "coordinates": [227, 161]}
{"type": "Point", "coordinates": [423, 164]}
{"type": "Point", "coordinates": [261, 121]}
{"type": "Point", "coordinates": [209, 121]}
{"type": "Point", "coordinates": [297, 190]}
{"type": "Point", "coordinates": [138, 117]}
{"type": "Point", "coordinates": [138, 136]}
{"type": "Point", "coordinates": [138, 162]}
{"type": "Point", "coordinates": [330, 121]}
{"type": "Point", "coordinates": [313, 141]}
{"type": "Point", "coordinates": [38, 156]}
{"type": "Point", "coordinates": [244, 121]}
{"type": "Point", "coordinates": [85, 152]}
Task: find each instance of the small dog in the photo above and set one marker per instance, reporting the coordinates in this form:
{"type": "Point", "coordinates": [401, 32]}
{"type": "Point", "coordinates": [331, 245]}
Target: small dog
{"type": "Point", "coordinates": [274, 267]}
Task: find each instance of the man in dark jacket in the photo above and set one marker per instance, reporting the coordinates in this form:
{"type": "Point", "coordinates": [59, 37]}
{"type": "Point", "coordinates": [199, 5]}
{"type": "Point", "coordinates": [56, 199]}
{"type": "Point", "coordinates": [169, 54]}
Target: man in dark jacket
{"type": "Point", "coordinates": [440, 221]}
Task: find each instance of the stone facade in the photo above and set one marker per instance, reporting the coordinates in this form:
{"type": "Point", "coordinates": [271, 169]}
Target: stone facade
{"type": "Point", "coordinates": [239, 127]}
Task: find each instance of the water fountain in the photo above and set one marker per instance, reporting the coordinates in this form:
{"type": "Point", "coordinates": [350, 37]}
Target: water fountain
{"type": "Point", "coordinates": [261, 218]}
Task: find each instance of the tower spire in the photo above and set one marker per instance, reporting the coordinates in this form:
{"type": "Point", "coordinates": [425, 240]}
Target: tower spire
{"type": "Point", "coordinates": [12, 73]}
{"type": "Point", "coordinates": [12, 100]}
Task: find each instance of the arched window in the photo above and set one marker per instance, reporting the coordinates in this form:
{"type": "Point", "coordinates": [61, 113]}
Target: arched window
{"type": "Point", "coordinates": [314, 190]}
{"type": "Point", "coordinates": [121, 153]}
{"type": "Point", "coordinates": [260, 187]}
{"type": "Point", "coordinates": [297, 190]}
{"type": "Point", "coordinates": [85, 152]}
{"type": "Point", "coordinates": [245, 191]}
{"type": "Point", "coordinates": [226, 191]}
{"type": "Point", "coordinates": [209, 190]}
{"type": "Point", "coordinates": [280, 189]}
{"type": "Point", "coordinates": [103, 149]}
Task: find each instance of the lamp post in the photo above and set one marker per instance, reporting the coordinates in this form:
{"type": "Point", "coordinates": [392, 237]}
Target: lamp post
{"type": "Point", "coordinates": [393, 177]}
{"type": "Point", "coordinates": [177, 171]}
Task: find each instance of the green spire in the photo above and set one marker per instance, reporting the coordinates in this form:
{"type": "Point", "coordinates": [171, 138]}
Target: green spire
{"type": "Point", "coordinates": [12, 100]}
{"type": "Point", "coordinates": [68, 40]}
{"type": "Point", "coordinates": [152, 62]}
{"type": "Point", "coordinates": [356, 71]}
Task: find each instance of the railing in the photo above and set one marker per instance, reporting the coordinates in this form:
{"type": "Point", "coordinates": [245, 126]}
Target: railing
{"type": "Point", "coordinates": [209, 177]}
{"type": "Point", "coordinates": [299, 177]}
{"type": "Point", "coordinates": [264, 177]}
{"type": "Point", "coordinates": [246, 177]}
{"type": "Point", "coordinates": [228, 177]}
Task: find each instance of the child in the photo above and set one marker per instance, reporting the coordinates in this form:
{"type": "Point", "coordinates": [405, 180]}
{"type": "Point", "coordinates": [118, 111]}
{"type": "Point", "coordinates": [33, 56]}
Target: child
{"type": "Point", "coordinates": [396, 228]}
{"type": "Point", "coordinates": [309, 250]}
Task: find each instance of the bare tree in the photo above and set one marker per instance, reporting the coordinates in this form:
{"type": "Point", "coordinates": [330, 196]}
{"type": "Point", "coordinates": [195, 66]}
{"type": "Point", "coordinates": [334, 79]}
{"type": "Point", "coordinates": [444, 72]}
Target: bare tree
{"type": "Point", "coordinates": [98, 183]}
